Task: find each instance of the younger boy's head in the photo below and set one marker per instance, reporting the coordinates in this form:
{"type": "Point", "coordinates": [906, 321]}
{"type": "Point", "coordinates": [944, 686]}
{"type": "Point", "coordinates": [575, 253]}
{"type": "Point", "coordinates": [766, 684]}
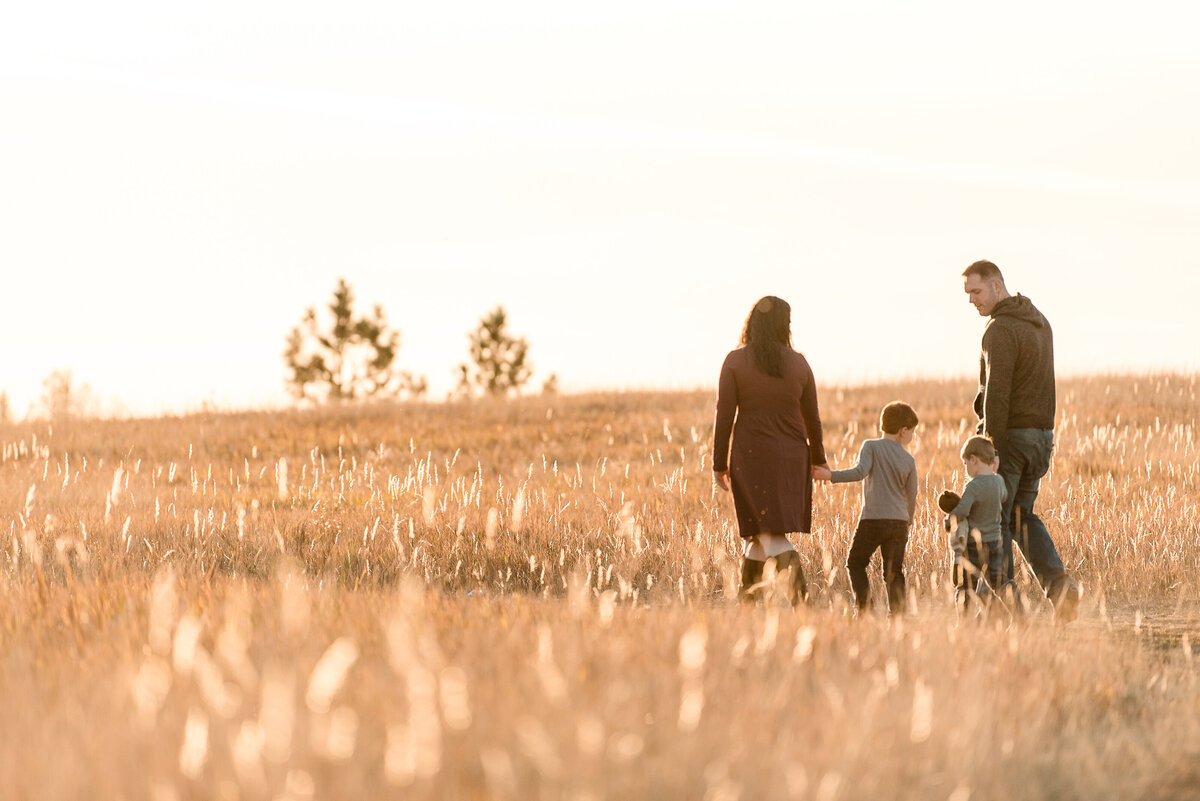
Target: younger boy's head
{"type": "Point", "coordinates": [896, 417]}
{"type": "Point", "coordinates": [979, 452]}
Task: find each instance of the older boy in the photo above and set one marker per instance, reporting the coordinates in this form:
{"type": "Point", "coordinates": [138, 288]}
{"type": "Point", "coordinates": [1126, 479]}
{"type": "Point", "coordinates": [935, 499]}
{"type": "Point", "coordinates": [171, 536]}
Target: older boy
{"type": "Point", "coordinates": [889, 475]}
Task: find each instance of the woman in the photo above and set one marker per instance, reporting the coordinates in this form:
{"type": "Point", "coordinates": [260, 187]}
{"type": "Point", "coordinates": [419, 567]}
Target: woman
{"type": "Point", "coordinates": [768, 388]}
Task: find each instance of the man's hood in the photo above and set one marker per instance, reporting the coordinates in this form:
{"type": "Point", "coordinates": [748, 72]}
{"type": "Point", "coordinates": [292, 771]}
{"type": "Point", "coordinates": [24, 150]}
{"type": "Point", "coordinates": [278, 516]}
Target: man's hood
{"type": "Point", "coordinates": [1019, 307]}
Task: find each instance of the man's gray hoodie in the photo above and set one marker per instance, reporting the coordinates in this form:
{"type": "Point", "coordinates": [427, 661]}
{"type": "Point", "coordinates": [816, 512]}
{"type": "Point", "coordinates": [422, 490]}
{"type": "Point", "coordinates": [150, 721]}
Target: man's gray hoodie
{"type": "Point", "coordinates": [1016, 370]}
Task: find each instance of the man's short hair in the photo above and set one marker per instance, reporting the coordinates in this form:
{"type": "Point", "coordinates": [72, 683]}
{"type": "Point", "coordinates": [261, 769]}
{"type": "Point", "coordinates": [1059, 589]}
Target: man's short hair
{"type": "Point", "coordinates": [986, 271]}
{"type": "Point", "coordinates": [981, 448]}
{"type": "Point", "coordinates": [897, 415]}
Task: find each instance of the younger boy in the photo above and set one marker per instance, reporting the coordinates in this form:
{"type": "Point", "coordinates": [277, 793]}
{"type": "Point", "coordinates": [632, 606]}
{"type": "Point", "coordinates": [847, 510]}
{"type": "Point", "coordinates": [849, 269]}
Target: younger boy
{"type": "Point", "coordinates": [889, 475]}
{"type": "Point", "coordinates": [975, 528]}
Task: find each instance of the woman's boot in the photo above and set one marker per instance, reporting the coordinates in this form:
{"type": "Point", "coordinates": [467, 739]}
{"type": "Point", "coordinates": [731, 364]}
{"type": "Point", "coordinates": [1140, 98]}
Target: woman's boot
{"type": "Point", "coordinates": [796, 588]}
{"type": "Point", "coordinates": [752, 571]}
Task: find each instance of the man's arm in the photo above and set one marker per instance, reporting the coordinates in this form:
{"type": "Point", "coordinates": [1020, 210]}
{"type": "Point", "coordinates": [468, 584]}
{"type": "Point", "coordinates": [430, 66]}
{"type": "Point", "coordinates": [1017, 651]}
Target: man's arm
{"type": "Point", "coordinates": [999, 359]}
{"type": "Point", "coordinates": [978, 404]}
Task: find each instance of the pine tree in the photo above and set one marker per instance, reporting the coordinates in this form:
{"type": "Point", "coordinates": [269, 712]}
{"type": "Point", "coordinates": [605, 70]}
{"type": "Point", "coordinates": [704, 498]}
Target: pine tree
{"type": "Point", "coordinates": [498, 360]}
{"type": "Point", "coordinates": [353, 358]}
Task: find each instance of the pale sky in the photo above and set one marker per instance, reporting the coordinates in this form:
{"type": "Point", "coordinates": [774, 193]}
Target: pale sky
{"type": "Point", "coordinates": [177, 184]}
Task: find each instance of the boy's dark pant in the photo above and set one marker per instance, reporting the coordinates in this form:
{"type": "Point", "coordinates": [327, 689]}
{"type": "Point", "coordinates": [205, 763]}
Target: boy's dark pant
{"type": "Point", "coordinates": [987, 559]}
{"type": "Point", "coordinates": [891, 538]}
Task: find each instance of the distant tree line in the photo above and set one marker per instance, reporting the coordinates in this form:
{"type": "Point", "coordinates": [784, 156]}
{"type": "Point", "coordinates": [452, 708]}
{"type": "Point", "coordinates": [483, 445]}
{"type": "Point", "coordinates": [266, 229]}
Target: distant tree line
{"type": "Point", "coordinates": [63, 397]}
{"type": "Point", "coordinates": [343, 356]}
{"type": "Point", "coordinates": [347, 357]}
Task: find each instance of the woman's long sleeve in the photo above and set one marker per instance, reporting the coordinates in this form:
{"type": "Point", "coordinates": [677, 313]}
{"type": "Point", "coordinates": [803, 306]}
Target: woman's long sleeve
{"type": "Point", "coordinates": [727, 403]}
{"type": "Point", "coordinates": [812, 421]}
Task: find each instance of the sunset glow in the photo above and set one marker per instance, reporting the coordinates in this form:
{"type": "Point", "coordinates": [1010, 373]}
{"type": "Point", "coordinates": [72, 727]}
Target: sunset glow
{"type": "Point", "coordinates": [179, 186]}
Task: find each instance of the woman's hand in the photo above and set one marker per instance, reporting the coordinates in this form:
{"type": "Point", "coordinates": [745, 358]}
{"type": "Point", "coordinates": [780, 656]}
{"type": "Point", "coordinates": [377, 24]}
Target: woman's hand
{"type": "Point", "coordinates": [722, 479]}
{"type": "Point", "coordinates": [821, 472]}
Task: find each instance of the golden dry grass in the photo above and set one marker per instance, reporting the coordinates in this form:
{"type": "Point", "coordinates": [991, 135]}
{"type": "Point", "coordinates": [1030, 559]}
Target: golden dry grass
{"type": "Point", "coordinates": [531, 600]}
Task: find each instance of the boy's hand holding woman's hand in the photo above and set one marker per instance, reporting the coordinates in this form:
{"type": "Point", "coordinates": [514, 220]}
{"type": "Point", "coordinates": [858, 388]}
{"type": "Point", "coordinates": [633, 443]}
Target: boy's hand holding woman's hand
{"type": "Point", "coordinates": [820, 472]}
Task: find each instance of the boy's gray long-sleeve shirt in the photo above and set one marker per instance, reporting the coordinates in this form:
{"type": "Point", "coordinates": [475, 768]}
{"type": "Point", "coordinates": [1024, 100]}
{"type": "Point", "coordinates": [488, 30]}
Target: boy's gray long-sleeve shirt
{"type": "Point", "coordinates": [981, 506]}
{"type": "Point", "coordinates": [889, 476]}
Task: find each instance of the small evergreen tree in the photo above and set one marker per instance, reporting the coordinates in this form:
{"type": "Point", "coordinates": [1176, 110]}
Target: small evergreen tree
{"type": "Point", "coordinates": [350, 359]}
{"type": "Point", "coordinates": [498, 360]}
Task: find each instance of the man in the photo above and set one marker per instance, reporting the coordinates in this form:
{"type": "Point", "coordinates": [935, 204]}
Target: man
{"type": "Point", "coordinates": [1016, 406]}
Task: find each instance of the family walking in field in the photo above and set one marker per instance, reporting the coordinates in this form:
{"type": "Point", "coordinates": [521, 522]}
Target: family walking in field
{"type": "Point", "coordinates": [768, 450]}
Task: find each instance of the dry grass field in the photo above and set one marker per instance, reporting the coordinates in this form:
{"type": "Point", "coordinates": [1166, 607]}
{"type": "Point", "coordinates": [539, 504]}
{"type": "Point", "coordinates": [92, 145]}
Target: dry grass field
{"type": "Point", "coordinates": [533, 600]}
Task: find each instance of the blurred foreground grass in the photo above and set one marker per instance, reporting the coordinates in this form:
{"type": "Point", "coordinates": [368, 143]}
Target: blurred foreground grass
{"type": "Point", "coordinates": [531, 600]}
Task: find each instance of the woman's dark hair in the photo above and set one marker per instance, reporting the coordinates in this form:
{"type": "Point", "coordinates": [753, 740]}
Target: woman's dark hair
{"type": "Point", "coordinates": [768, 330]}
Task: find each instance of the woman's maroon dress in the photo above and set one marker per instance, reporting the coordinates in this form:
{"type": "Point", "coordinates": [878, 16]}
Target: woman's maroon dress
{"type": "Point", "coordinates": [775, 428]}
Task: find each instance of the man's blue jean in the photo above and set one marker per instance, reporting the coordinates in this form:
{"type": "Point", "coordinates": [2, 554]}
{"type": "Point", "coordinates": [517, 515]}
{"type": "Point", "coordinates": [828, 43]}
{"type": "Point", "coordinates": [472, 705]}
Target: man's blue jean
{"type": "Point", "coordinates": [1024, 459]}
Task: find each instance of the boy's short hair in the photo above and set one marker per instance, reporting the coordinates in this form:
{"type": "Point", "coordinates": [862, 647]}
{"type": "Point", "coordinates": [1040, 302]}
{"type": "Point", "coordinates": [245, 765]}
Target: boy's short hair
{"type": "Point", "coordinates": [981, 448]}
{"type": "Point", "coordinates": [897, 415]}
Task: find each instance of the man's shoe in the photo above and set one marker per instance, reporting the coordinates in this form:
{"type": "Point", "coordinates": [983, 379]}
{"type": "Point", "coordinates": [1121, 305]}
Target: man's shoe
{"type": "Point", "coordinates": [1014, 602]}
{"type": "Point", "coordinates": [1066, 604]}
